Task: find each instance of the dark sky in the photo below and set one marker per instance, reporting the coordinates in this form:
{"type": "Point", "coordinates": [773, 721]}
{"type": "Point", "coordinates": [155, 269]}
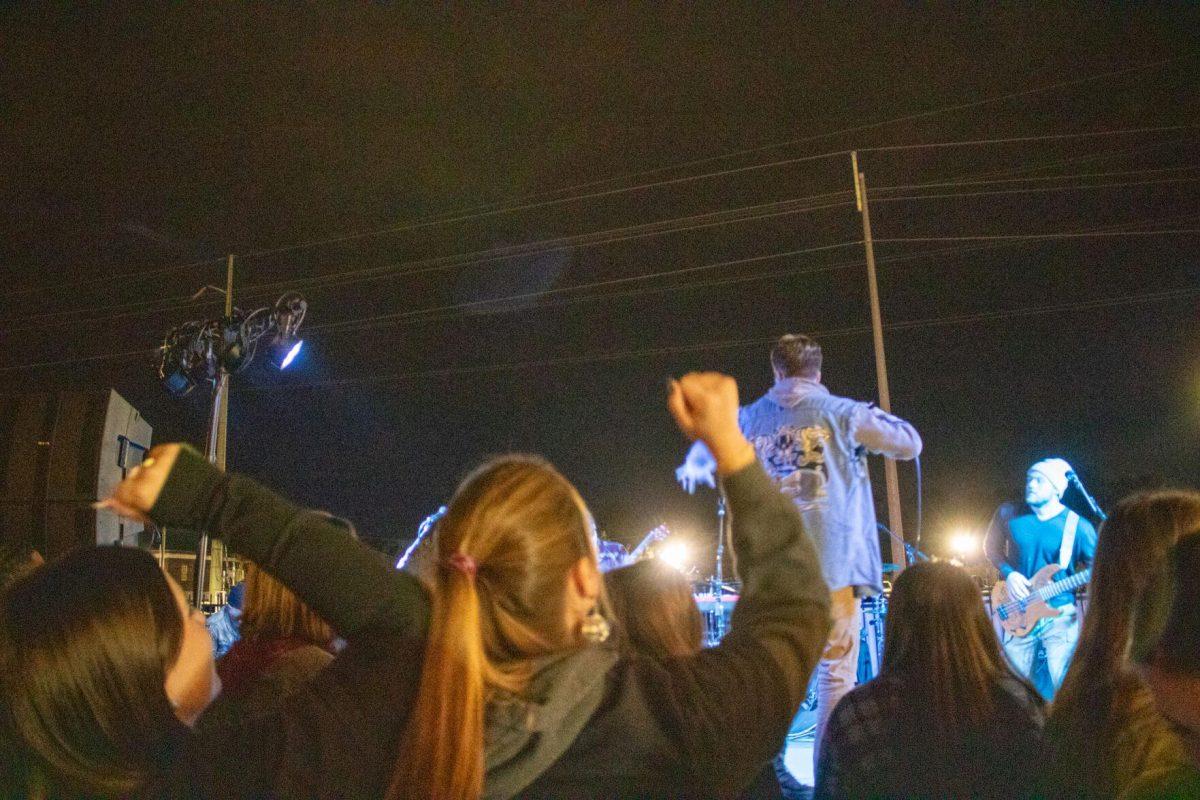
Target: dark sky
{"type": "Point", "coordinates": [134, 141]}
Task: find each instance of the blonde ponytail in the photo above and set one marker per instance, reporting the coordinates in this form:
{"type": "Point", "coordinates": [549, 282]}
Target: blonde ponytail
{"type": "Point", "coordinates": [442, 752]}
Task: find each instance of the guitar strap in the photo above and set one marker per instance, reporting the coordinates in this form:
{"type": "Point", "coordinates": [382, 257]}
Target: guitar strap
{"type": "Point", "coordinates": [1068, 540]}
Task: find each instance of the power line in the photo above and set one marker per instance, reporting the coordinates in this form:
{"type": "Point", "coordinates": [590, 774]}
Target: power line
{"type": "Point", "coordinates": [1043, 137]}
{"type": "Point", "coordinates": [479, 307]}
{"type": "Point", "coordinates": [541, 204]}
{"type": "Point", "coordinates": [369, 321]}
{"type": "Point", "coordinates": [1030, 236]}
{"type": "Point", "coordinates": [136, 275]}
{"type": "Point", "coordinates": [1034, 190]}
{"type": "Point", "coordinates": [997, 242]}
{"type": "Point", "coordinates": [734, 215]}
{"type": "Point", "coordinates": [1110, 302]}
{"type": "Point", "coordinates": [872, 125]}
{"type": "Point", "coordinates": [990, 181]}
{"type": "Point", "coordinates": [530, 201]}
{"type": "Point", "coordinates": [529, 206]}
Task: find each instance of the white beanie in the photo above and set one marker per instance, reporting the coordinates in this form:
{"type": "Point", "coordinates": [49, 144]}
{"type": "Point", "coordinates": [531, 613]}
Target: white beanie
{"type": "Point", "coordinates": [1054, 470]}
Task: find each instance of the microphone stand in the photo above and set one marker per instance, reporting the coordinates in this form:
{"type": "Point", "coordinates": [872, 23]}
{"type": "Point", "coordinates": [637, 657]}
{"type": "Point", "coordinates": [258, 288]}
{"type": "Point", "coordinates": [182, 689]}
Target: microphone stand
{"type": "Point", "coordinates": [1073, 479]}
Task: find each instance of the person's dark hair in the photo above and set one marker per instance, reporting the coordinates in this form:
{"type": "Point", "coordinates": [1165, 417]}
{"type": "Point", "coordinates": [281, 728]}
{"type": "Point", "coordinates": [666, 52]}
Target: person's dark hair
{"type": "Point", "coordinates": [1102, 690]}
{"type": "Point", "coordinates": [85, 645]}
{"type": "Point", "coordinates": [15, 559]}
{"type": "Point", "coordinates": [796, 356]}
{"type": "Point", "coordinates": [939, 641]}
{"type": "Point", "coordinates": [655, 611]}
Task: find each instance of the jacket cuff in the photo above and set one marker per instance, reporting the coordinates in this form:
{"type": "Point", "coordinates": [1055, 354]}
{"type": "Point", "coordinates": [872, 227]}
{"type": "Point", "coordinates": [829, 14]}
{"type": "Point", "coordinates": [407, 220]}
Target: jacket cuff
{"type": "Point", "coordinates": [189, 492]}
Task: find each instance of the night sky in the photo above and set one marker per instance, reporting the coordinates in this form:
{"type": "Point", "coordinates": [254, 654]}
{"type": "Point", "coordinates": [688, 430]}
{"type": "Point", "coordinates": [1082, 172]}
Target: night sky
{"type": "Point", "coordinates": [436, 181]}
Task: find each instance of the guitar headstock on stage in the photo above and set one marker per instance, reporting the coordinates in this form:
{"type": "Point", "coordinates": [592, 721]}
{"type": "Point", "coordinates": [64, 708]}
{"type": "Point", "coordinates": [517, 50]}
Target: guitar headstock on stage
{"type": "Point", "coordinates": [656, 534]}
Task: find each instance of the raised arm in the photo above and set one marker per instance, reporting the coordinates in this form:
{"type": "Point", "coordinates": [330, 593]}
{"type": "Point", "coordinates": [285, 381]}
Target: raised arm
{"type": "Point", "coordinates": [754, 681]}
{"type": "Point", "coordinates": [341, 579]}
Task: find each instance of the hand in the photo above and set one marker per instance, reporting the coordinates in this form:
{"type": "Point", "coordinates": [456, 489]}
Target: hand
{"type": "Point", "coordinates": [137, 494]}
{"type": "Point", "coordinates": [705, 406]}
{"type": "Point", "coordinates": [692, 473]}
{"type": "Point", "coordinates": [1018, 585]}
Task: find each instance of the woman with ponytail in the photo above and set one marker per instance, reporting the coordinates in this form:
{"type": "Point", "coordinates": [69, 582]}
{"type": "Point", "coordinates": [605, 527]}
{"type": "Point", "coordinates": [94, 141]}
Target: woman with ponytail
{"type": "Point", "coordinates": [521, 696]}
{"type": "Point", "coordinates": [498, 683]}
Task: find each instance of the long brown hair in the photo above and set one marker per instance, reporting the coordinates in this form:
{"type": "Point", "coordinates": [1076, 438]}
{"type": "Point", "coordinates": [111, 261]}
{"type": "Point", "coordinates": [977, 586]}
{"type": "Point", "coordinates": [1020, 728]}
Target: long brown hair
{"type": "Point", "coordinates": [940, 642]}
{"type": "Point", "coordinates": [1102, 690]}
{"type": "Point", "coordinates": [271, 611]}
{"type": "Point", "coordinates": [521, 526]}
{"type": "Point", "coordinates": [85, 644]}
{"type": "Point", "coordinates": [655, 611]}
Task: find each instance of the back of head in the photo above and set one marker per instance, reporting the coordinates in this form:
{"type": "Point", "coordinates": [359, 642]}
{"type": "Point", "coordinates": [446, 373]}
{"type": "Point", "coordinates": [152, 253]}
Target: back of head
{"type": "Point", "coordinates": [1102, 692]}
{"type": "Point", "coordinates": [506, 546]}
{"type": "Point", "coordinates": [654, 608]}
{"type": "Point", "coordinates": [796, 356]}
{"type": "Point", "coordinates": [85, 644]}
{"type": "Point", "coordinates": [271, 611]}
{"type": "Point", "coordinates": [16, 558]}
{"type": "Point", "coordinates": [1167, 619]}
{"type": "Point", "coordinates": [940, 643]}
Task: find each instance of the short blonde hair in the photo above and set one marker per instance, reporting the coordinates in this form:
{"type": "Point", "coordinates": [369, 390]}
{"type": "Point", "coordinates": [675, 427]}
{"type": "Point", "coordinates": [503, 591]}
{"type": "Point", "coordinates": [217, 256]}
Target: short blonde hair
{"type": "Point", "coordinates": [271, 611]}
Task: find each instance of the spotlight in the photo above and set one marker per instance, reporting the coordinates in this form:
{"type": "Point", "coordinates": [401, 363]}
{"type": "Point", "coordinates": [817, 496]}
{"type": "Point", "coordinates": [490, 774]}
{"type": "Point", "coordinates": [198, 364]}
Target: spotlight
{"type": "Point", "coordinates": [964, 543]}
{"type": "Point", "coordinates": [181, 361]}
{"type": "Point", "coordinates": [675, 553]}
{"type": "Point", "coordinates": [283, 351]}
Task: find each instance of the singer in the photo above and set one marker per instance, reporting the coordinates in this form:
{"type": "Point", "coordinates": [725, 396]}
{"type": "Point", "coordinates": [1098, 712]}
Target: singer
{"type": "Point", "coordinates": [1023, 540]}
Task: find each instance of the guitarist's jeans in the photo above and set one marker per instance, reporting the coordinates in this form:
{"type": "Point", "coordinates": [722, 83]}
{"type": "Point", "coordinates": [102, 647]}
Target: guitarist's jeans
{"type": "Point", "coordinates": [1058, 636]}
{"type": "Point", "coordinates": [837, 672]}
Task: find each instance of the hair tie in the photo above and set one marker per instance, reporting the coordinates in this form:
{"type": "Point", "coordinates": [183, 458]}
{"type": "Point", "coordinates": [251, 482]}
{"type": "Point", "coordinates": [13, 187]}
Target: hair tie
{"type": "Point", "coordinates": [464, 564]}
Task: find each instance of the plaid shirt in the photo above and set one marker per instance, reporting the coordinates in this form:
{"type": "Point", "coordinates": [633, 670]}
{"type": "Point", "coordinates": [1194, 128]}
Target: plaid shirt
{"type": "Point", "coordinates": [867, 753]}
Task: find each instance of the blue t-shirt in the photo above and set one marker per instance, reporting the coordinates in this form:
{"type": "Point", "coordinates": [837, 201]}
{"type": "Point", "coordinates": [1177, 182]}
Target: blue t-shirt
{"type": "Point", "coordinates": [1018, 540]}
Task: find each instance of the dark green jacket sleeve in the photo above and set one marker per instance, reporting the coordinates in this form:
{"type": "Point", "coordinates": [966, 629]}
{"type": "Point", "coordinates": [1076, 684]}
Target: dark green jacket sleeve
{"type": "Point", "coordinates": [341, 579]}
{"type": "Point", "coordinates": [754, 681]}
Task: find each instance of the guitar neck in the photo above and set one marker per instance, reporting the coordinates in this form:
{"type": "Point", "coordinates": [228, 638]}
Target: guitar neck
{"type": "Point", "coordinates": [651, 537]}
{"type": "Point", "coordinates": [1065, 585]}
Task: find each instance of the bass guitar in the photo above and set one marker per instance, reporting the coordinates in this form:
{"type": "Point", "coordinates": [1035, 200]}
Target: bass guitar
{"type": "Point", "coordinates": [1023, 617]}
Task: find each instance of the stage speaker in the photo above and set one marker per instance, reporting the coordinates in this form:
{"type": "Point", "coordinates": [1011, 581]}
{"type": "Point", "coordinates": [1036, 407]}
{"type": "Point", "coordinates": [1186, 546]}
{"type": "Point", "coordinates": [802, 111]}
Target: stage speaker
{"type": "Point", "coordinates": [59, 453]}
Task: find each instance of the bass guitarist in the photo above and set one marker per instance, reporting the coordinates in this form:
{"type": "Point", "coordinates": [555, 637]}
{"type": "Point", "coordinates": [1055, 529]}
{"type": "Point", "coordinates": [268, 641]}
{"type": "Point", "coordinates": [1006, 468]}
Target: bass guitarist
{"type": "Point", "coordinates": [1022, 540]}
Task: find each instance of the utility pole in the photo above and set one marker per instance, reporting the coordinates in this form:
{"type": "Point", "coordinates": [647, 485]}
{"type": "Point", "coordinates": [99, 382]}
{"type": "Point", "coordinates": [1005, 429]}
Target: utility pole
{"type": "Point", "coordinates": [891, 476]}
{"type": "Point", "coordinates": [214, 450]}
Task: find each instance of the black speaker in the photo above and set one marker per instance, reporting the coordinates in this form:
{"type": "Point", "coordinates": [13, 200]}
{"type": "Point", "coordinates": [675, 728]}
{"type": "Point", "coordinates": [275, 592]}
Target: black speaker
{"type": "Point", "coordinates": [59, 453]}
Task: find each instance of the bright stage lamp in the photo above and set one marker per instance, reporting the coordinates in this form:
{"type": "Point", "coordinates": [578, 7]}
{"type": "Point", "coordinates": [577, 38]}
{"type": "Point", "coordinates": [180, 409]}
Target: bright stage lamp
{"type": "Point", "coordinates": [291, 354]}
{"type": "Point", "coordinates": [675, 553]}
{"type": "Point", "coordinates": [964, 544]}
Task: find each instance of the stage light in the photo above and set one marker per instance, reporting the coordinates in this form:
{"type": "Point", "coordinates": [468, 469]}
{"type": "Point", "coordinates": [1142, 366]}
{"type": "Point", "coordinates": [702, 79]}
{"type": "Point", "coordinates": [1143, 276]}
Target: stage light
{"type": "Point", "coordinates": [675, 553]}
{"type": "Point", "coordinates": [964, 543]}
{"type": "Point", "coordinates": [283, 351]}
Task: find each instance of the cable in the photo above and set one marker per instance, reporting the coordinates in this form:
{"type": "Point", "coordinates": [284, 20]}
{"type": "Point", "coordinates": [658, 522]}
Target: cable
{"type": "Point", "coordinates": [988, 182]}
{"type": "Point", "coordinates": [136, 275]}
{"type": "Point", "coordinates": [542, 204]}
{"type": "Point", "coordinates": [1044, 137]}
{"type": "Point", "coordinates": [1034, 190]}
{"type": "Point", "coordinates": [1110, 302]}
{"type": "Point", "coordinates": [997, 242]}
{"type": "Point", "coordinates": [1029, 236]}
{"type": "Point", "coordinates": [368, 321]}
{"type": "Point", "coordinates": [869, 126]}
{"type": "Point", "coordinates": [438, 263]}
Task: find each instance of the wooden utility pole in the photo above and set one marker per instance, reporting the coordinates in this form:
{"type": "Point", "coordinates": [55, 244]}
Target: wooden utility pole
{"type": "Point", "coordinates": [892, 478]}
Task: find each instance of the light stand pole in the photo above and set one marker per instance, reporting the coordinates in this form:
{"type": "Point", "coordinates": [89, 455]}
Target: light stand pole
{"type": "Point", "coordinates": [210, 351]}
{"type": "Point", "coordinates": [214, 451]}
{"type": "Point", "coordinates": [891, 476]}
